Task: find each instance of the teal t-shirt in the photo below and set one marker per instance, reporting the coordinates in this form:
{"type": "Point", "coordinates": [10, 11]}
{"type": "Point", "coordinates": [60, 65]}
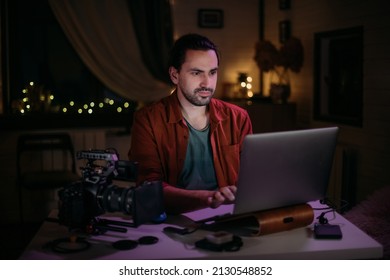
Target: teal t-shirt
{"type": "Point", "coordinates": [198, 172]}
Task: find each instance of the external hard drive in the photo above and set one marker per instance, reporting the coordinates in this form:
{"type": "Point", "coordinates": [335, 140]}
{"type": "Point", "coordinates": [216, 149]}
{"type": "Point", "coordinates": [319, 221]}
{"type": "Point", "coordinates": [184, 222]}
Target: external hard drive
{"type": "Point", "coordinates": [327, 231]}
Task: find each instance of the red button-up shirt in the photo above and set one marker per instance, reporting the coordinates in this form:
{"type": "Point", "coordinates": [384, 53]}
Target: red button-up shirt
{"type": "Point", "coordinates": [160, 137]}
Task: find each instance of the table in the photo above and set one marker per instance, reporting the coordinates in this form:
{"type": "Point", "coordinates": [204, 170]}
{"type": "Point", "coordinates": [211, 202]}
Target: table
{"type": "Point", "coordinates": [298, 243]}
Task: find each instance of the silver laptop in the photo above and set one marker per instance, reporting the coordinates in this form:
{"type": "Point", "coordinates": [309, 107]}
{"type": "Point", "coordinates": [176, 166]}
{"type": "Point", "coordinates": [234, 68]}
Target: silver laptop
{"type": "Point", "coordinates": [284, 168]}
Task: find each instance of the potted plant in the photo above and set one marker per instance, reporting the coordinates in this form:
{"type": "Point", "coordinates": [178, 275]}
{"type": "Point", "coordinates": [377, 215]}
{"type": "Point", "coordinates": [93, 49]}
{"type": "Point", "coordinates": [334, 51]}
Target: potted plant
{"type": "Point", "coordinates": [278, 63]}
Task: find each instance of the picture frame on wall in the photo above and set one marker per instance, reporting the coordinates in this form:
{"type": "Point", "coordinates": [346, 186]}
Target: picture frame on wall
{"type": "Point", "coordinates": [338, 76]}
{"type": "Point", "coordinates": [210, 18]}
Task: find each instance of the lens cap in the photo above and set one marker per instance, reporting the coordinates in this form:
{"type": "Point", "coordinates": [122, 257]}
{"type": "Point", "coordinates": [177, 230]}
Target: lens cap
{"type": "Point", "coordinates": [148, 240]}
{"type": "Point", "coordinates": [128, 244]}
{"type": "Point", "coordinates": [67, 245]}
{"type": "Point", "coordinates": [125, 244]}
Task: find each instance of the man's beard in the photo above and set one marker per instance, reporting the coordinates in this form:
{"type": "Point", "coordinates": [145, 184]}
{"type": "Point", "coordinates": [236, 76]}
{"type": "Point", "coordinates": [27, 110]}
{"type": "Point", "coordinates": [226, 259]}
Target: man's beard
{"type": "Point", "coordinates": [197, 100]}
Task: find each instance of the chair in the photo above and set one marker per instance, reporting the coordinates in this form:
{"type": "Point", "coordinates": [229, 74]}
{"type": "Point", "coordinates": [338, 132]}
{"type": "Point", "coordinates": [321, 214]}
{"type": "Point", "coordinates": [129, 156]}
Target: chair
{"type": "Point", "coordinates": [45, 161]}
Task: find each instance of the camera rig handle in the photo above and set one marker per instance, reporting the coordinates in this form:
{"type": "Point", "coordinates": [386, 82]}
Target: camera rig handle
{"type": "Point", "coordinates": [115, 168]}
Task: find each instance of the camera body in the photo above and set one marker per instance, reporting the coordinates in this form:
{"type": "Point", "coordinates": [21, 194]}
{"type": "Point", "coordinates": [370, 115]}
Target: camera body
{"type": "Point", "coordinates": [97, 192]}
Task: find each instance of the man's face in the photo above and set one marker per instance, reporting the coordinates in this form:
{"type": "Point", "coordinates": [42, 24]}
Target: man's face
{"type": "Point", "coordinates": [197, 78]}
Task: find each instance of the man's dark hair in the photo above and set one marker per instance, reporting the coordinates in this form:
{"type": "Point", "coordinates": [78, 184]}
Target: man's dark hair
{"type": "Point", "coordinates": [189, 42]}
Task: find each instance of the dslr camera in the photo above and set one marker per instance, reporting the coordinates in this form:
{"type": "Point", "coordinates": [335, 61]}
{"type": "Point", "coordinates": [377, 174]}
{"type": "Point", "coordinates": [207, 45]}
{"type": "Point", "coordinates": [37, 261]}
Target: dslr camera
{"type": "Point", "coordinates": [98, 192]}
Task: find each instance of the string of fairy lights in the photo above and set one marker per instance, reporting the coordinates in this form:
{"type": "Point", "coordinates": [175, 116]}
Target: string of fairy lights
{"type": "Point", "coordinates": [37, 99]}
{"type": "Point", "coordinates": [92, 106]}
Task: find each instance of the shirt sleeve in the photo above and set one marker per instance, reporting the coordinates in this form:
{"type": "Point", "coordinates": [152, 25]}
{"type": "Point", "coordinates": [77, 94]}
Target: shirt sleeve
{"type": "Point", "coordinates": [144, 149]}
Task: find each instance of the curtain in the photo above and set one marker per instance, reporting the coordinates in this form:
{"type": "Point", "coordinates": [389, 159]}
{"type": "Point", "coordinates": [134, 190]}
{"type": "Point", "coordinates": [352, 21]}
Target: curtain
{"type": "Point", "coordinates": [152, 23]}
{"type": "Point", "coordinates": [102, 34]}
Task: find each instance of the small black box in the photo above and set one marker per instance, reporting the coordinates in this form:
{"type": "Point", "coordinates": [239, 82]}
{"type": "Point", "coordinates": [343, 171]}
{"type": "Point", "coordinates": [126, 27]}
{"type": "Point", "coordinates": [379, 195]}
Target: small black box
{"type": "Point", "coordinates": [327, 231]}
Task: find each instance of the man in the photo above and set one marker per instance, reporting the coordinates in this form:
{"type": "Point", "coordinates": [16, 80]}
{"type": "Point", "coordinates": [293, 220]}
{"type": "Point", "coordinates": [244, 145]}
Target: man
{"type": "Point", "coordinates": [190, 140]}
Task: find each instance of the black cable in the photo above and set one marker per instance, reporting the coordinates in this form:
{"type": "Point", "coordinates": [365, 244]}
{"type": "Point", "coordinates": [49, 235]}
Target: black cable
{"type": "Point", "coordinates": [331, 208]}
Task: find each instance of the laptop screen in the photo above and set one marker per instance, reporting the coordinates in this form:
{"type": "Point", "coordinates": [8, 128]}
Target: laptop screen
{"type": "Point", "coordinates": [284, 168]}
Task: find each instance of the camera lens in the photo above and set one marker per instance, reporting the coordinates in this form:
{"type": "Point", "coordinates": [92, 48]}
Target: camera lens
{"type": "Point", "coordinates": [117, 199]}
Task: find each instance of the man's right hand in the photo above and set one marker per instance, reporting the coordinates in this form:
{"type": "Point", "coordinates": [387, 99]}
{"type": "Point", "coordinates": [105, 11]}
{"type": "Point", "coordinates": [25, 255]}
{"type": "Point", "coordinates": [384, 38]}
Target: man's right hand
{"type": "Point", "coordinates": [225, 195]}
